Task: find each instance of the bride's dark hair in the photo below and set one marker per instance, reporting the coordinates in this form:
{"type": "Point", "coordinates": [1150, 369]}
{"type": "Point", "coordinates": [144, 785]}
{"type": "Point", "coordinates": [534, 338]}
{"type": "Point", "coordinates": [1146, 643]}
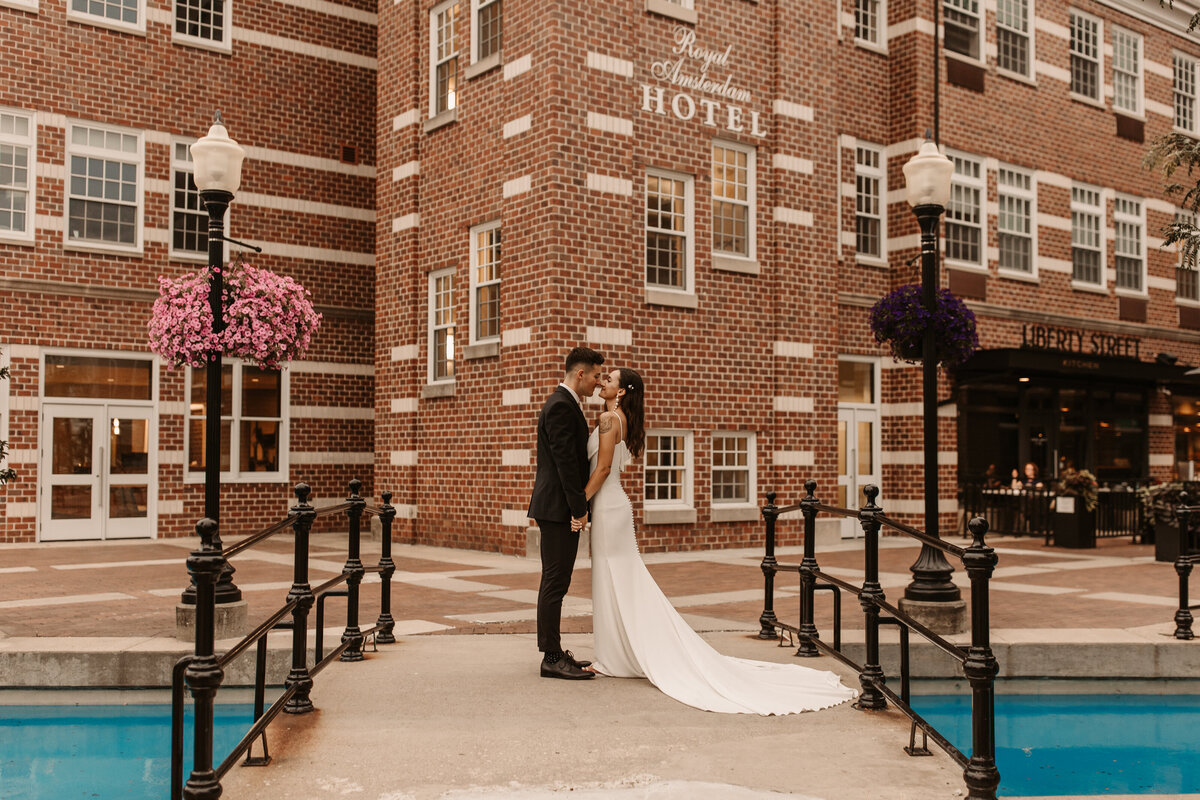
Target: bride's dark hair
{"type": "Point", "coordinates": [633, 403]}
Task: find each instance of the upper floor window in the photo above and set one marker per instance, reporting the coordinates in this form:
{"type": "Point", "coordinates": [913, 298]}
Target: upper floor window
{"type": "Point", "coordinates": [668, 470]}
{"type": "Point", "coordinates": [1085, 55]}
{"type": "Point", "coordinates": [104, 191]}
{"type": "Point", "coordinates": [1087, 223]}
{"type": "Point", "coordinates": [485, 29]}
{"type": "Point", "coordinates": [1130, 228]}
{"type": "Point", "coordinates": [1012, 37]}
{"type": "Point", "coordinates": [443, 58]}
{"type": "Point", "coordinates": [18, 157]}
{"type": "Point", "coordinates": [1127, 71]}
{"type": "Point", "coordinates": [869, 176]}
{"type": "Point", "coordinates": [733, 199]}
{"type": "Point", "coordinates": [189, 220]}
{"type": "Point", "coordinates": [870, 22]}
{"type": "Point", "coordinates": [964, 213]}
{"type": "Point", "coordinates": [961, 27]}
{"type": "Point", "coordinates": [253, 420]}
{"type": "Point", "coordinates": [1187, 279]}
{"type": "Point", "coordinates": [668, 231]}
{"type": "Point", "coordinates": [485, 282]}
{"type": "Point", "coordinates": [120, 14]}
{"type": "Point", "coordinates": [1015, 192]}
{"type": "Point", "coordinates": [441, 325]}
{"type": "Point", "coordinates": [1184, 90]}
{"type": "Point", "coordinates": [203, 22]}
{"type": "Point", "coordinates": [733, 468]}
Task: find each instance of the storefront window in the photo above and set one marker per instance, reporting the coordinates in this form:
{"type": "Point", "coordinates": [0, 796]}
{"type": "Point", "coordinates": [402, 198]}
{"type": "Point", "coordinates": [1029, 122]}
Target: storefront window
{"type": "Point", "coordinates": [1187, 436]}
{"type": "Point", "coordinates": [98, 377]}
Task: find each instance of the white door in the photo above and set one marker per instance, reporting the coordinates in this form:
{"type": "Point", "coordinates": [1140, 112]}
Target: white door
{"type": "Point", "coordinates": [858, 461]}
{"type": "Point", "coordinates": [98, 468]}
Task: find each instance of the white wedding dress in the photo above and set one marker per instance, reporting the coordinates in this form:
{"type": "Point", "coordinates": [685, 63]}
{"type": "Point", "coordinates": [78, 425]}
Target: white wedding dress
{"type": "Point", "coordinates": [639, 634]}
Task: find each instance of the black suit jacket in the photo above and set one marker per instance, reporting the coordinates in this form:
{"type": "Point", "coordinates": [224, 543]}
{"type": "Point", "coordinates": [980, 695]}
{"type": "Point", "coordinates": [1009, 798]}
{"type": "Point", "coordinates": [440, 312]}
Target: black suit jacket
{"type": "Point", "coordinates": [562, 460]}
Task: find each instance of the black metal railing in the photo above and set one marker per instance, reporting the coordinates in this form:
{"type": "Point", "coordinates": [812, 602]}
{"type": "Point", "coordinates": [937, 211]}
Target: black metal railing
{"type": "Point", "coordinates": [978, 662]}
{"type": "Point", "coordinates": [1189, 548]}
{"type": "Point", "coordinates": [1030, 511]}
{"type": "Point", "coordinates": [203, 671]}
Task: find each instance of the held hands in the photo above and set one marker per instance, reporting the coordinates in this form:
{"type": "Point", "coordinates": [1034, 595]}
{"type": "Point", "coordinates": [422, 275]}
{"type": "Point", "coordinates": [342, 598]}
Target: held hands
{"type": "Point", "coordinates": [577, 523]}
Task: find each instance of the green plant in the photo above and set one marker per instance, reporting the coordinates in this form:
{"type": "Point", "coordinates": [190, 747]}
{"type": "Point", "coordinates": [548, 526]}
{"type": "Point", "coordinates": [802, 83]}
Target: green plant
{"type": "Point", "coordinates": [1159, 502]}
{"type": "Point", "coordinates": [1079, 483]}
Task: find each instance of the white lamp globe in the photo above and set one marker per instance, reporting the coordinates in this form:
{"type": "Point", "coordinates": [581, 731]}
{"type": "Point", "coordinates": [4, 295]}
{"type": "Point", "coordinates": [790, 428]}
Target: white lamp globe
{"type": "Point", "coordinates": [927, 177]}
{"type": "Point", "coordinates": [217, 160]}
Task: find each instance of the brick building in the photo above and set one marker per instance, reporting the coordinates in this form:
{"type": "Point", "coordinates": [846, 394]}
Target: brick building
{"type": "Point", "coordinates": [709, 191]}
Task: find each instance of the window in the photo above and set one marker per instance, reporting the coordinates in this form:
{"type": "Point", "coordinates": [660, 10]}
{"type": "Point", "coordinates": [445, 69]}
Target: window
{"type": "Point", "coordinates": [869, 192]}
{"type": "Point", "coordinates": [202, 22]}
{"type": "Point", "coordinates": [485, 282]}
{"type": "Point", "coordinates": [961, 26]}
{"type": "Point", "coordinates": [443, 58]}
{"type": "Point", "coordinates": [189, 220]}
{"type": "Point", "coordinates": [441, 325]}
{"type": "Point", "coordinates": [1187, 287]}
{"type": "Point", "coordinates": [1015, 223]}
{"type": "Point", "coordinates": [18, 159]}
{"type": "Point", "coordinates": [1012, 37]}
{"type": "Point", "coordinates": [668, 478]}
{"type": "Point", "coordinates": [733, 200]}
{"type": "Point", "coordinates": [1087, 218]}
{"type": "Point", "coordinates": [668, 231]}
{"type": "Point", "coordinates": [119, 14]}
{"type": "Point", "coordinates": [99, 377]}
{"type": "Point", "coordinates": [1185, 93]}
{"type": "Point", "coordinates": [964, 213]}
{"type": "Point", "coordinates": [1085, 55]}
{"type": "Point", "coordinates": [253, 403]}
{"type": "Point", "coordinates": [485, 29]}
{"type": "Point", "coordinates": [733, 468]}
{"type": "Point", "coordinates": [1127, 71]}
{"type": "Point", "coordinates": [105, 187]}
{"type": "Point", "coordinates": [870, 22]}
{"type": "Point", "coordinates": [1130, 232]}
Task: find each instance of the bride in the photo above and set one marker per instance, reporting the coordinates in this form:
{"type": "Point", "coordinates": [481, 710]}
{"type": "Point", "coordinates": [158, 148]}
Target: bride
{"type": "Point", "coordinates": [637, 632]}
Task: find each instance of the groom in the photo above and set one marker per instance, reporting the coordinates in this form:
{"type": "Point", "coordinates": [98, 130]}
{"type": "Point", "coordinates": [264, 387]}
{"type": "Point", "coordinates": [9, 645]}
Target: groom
{"type": "Point", "coordinates": [559, 505]}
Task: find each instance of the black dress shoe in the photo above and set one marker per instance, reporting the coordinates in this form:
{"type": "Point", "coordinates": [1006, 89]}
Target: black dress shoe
{"type": "Point", "coordinates": [569, 656]}
{"type": "Point", "coordinates": [563, 668]}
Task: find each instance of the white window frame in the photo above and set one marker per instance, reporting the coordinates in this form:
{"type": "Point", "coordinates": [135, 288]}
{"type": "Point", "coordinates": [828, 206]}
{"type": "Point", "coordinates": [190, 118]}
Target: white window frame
{"type": "Point", "coordinates": [477, 7]}
{"type": "Point", "coordinates": [179, 165]}
{"type": "Point", "coordinates": [878, 10]}
{"type": "Point", "coordinates": [1137, 224]}
{"type": "Point", "coordinates": [980, 39]}
{"type": "Point", "coordinates": [138, 26]}
{"type": "Point", "coordinates": [1185, 64]}
{"type": "Point", "coordinates": [476, 284]}
{"type": "Point", "coordinates": [689, 233]}
{"type": "Point", "coordinates": [751, 469]}
{"type": "Point", "coordinates": [89, 151]}
{"type": "Point", "coordinates": [685, 500]}
{"type": "Point", "coordinates": [1029, 40]}
{"type": "Point", "coordinates": [222, 45]}
{"type": "Point", "coordinates": [1138, 75]}
{"type": "Point", "coordinates": [879, 174]}
{"type": "Point", "coordinates": [1181, 215]}
{"type": "Point", "coordinates": [433, 327]}
{"type": "Point", "coordinates": [434, 61]}
{"type": "Point", "coordinates": [1029, 195]}
{"type": "Point", "coordinates": [23, 5]}
{"type": "Point", "coordinates": [1096, 210]}
{"type": "Point", "coordinates": [235, 475]}
{"type": "Point", "coordinates": [750, 203]}
{"type": "Point", "coordinates": [1098, 60]}
{"type": "Point", "coordinates": [968, 183]}
{"type": "Point", "coordinates": [29, 143]}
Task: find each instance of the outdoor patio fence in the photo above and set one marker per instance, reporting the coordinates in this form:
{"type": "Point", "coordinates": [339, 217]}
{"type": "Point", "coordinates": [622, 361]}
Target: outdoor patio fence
{"type": "Point", "coordinates": [1030, 511]}
{"type": "Point", "coordinates": [1189, 548]}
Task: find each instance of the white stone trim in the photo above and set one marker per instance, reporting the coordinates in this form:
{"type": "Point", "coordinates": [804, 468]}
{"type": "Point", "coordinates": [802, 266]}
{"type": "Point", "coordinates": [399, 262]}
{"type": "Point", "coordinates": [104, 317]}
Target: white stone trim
{"type": "Point", "coordinates": [609, 184]}
{"type": "Point", "coordinates": [1162, 459]}
{"type": "Point", "coordinates": [910, 25]}
{"type": "Point", "coordinates": [514, 337]}
{"type": "Point", "coordinates": [403, 458]}
{"type": "Point", "coordinates": [617, 66]}
{"type": "Point", "coordinates": [798, 405]}
{"type": "Point", "coordinates": [170, 507]}
{"type": "Point", "coordinates": [517, 186]}
{"type": "Point", "coordinates": [403, 405]}
{"type": "Point", "coordinates": [793, 350]}
{"type": "Point", "coordinates": [803, 166]}
{"type": "Point", "coordinates": [793, 216]}
{"type": "Point", "coordinates": [916, 457]}
{"type": "Point", "coordinates": [405, 510]}
{"type": "Point", "coordinates": [20, 510]}
{"type": "Point", "coordinates": [406, 352]}
{"type": "Point", "coordinates": [326, 457]}
{"type": "Point", "coordinates": [334, 10]}
{"type": "Point", "coordinates": [410, 117]}
{"type": "Point", "coordinates": [518, 67]}
{"type": "Point", "coordinates": [406, 222]}
{"type": "Point", "coordinates": [794, 458]}
{"type": "Point", "coordinates": [913, 409]}
{"type": "Point", "coordinates": [171, 457]}
{"type": "Point", "coordinates": [517, 126]}
{"type": "Point", "coordinates": [515, 397]}
{"type": "Point", "coordinates": [614, 337]}
{"type": "Point", "coordinates": [1161, 421]}
{"type": "Point", "coordinates": [263, 39]}
{"type": "Point", "coordinates": [309, 162]}
{"type": "Point", "coordinates": [515, 458]}
{"type": "Point", "coordinates": [332, 368]}
{"type": "Point", "coordinates": [331, 412]}
{"type": "Point", "coordinates": [893, 507]}
{"type": "Point", "coordinates": [610, 124]}
{"type": "Point", "coordinates": [786, 108]}
{"type": "Point", "coordinates": [514, 517]}
{"type": "Point", "coordinates": [406, 170]}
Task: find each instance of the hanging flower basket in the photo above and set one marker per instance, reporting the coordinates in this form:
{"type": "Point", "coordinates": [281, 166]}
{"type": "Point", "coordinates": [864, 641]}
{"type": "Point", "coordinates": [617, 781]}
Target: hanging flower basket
{"type": "Point", "coordinates": [269, 318]}
{"type": "Point", "coordinates": [899, 319]}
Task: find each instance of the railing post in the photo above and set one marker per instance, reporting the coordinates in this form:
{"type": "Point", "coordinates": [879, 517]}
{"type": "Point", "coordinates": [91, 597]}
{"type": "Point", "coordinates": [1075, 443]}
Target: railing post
{"type": "Point", "coordinates": [303, 516]}
{"type": "Point", "coordinates": [767, 620]}
{"type": "Point", "coordinates": [980, 668]}
{"type": "Point", "coordinates": [871, 698]}
{"type": "Point", "coordinates": [1183, 566]}
{"type": "Point", "coordinates": [387, 568]}
{"type": "Point", "coordinates": [808, 630]}
{"type": "Point", "coordinates": [203, 674]}
{"type": "Point", "coordinates": [354, 567]}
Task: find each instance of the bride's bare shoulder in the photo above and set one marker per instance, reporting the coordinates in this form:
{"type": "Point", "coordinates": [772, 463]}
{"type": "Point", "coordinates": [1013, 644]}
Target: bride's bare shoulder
{"type": "Point", "coordinates": [608, 419]}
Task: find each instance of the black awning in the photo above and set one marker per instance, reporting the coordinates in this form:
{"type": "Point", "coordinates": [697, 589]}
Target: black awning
{"type": "Point", "coordinates": [1021, 363]}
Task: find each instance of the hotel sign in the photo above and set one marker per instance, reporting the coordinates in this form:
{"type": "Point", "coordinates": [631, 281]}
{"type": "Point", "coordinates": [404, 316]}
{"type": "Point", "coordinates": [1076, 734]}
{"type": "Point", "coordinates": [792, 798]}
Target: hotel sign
{"type": "Point", "coordinates": [1067, 340]}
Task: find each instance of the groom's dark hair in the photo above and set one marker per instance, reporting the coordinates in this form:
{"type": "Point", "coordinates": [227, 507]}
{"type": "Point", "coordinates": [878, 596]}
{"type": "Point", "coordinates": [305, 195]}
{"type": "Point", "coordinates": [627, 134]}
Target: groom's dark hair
{"type": "Point", "coordinates": [582, 356]}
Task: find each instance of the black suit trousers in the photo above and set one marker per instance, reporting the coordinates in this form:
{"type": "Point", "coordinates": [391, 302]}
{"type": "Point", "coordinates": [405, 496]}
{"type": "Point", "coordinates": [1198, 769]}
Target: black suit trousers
{"type": "Point", "coordinates": [559, 546]}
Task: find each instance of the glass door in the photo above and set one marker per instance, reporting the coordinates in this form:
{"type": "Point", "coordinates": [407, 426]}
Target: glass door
{"type": "Point", "coordinates": [858, 448]}
{"type": "Point", "coordinates": [127, 477]}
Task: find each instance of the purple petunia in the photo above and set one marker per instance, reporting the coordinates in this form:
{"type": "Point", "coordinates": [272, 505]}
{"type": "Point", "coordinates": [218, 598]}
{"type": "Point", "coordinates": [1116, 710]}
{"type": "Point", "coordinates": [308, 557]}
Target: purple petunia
{"type": "Point", "coordinates": [900, 320]}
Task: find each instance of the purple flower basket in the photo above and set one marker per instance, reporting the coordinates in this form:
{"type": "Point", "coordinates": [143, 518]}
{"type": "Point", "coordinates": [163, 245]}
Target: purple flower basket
{"type": "Point", "coordinates": [899, 320]}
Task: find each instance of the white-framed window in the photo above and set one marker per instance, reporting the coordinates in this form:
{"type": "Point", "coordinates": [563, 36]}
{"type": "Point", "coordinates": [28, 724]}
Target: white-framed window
{"type": "Point", "coordinates": [18, 174]}
{"type": "Point", "coordinates": [1014, 44]}
{"type": "Point", "coordinates": [485, 282]}
{"type": "Point", "coordinates": [1017, 196]}
{"type": "Point", "coordinates": [441, 325]}
{"type": "Point", "coordinates": [1129, 224]}
{"type": "Point", "coordinates": [254, 423]}
{"type": "Point", "coordinates": [733, 468]}
{"type": "Point", "coordinates": [203, 22]}
{"type": "Point", "coordinates": [1184, 92]}
{"type": "Point", "coordinates": [1086, 55]}
{"type": "Point", "coordinates": [1187, 279]}
{"type": "Point", "coordinates": [189, 220]}
{"type": "Point", "coordinates": [124, 15]}
{"type": "Point", "coordinates": [669, 227]}
{"type": "Point", "coordinates": [870, 22]}
{"type": "Point", "coordinates": [668, 468]}
{"type": "Point", "coordinates": [486, 29]}
{"type": "Point", "coordinates": [961, 25]}
{"type": "Point", "coordinates": [1127, 71]}
{"type": "Point", "coordinates": [733, 199]}
{"type": "Point", "coordinates": [443, 58]}
{"type": "Point", "coordinates": [964, 212]}
{"type": "Point", "coordinates": [870, 190]}
{"type": "Point", "coordinates": [1087, 226]}
{"type": "Point", "coordinates": [104, 187]}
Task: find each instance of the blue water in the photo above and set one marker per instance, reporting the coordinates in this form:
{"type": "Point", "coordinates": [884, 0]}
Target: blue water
{"type": "Point", "coordinates": [69, 752]}
{"type": "Point", "coordinates": [1084, 743]}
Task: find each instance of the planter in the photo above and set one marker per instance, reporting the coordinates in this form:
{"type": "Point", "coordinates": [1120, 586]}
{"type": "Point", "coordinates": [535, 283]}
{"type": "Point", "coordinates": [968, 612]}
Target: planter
{"type": "Point", "coordinates": [1166, 542]}
{"type": "Point", "coordinates": [1075, 528]}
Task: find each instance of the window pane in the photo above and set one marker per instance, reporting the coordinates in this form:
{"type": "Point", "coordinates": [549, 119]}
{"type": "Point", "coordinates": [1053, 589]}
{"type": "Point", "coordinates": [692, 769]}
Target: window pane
{"type": "Point", "coordinates": [259, 446]}
{"type": "Point", "coordinates": [260, 392]}
{"type": "Point", "coordinates": [88, 376]}
{"type": "Point", "coordinates": [856, 382]}
{"type": "Point", "coordinates": [129, 447]}
{"type": "Point", "coordinates": [72, 448]}
{"type": "Point", "coordinates": [199, 384]}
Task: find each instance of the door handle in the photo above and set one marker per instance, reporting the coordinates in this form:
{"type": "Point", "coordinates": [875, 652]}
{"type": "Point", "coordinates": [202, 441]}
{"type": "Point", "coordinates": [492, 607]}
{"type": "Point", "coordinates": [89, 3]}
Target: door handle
{"type": "Point", "coordinates": [99, 480]}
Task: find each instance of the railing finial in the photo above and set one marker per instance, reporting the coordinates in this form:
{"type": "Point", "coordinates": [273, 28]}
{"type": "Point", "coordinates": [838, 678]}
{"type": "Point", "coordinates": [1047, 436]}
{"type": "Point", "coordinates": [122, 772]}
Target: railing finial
{"type": "Point", "coordinates": [871, 491]}
{"type": "Point", "coordinates": [387, 498]}
{"type": "Point", "coordinates": [302, 491]}
{"type": "Point", "coordinates": [979, 528]}
{"type": "Point", "coordinates": [810, 486]}
{"type": "Point", "coordinates": [206, 529]}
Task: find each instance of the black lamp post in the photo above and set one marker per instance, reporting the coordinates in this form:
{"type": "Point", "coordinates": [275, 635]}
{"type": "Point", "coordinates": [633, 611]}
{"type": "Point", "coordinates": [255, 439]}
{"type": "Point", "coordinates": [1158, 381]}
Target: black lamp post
{"type": "Point", "coordinates": [927, 183]}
